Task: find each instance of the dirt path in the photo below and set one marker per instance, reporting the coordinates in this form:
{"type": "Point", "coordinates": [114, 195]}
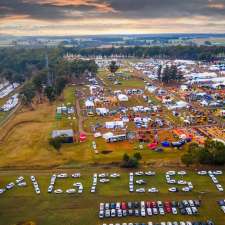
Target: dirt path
{"type": "Point", "coordinates": [80, 118]}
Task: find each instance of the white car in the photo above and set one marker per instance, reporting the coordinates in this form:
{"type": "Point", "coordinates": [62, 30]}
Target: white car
{"type": "Point", "coordinates": [119, 213]}
{"type": "Point", "coordinates": [19, 179]}
{"type": "Point", "coordinates": [181, 182]}
{"type": "Point", "coordinates": [181, 172]}
{"type": "Point", "coordinates": [219, 187]}
{"type": "Point", "coordinates": [203, 172]}
{"type": "Point", "coordinates": [140, 182]}
{"type": "Point", "coordinates": [174, 210]}
{"type": "Point", "coordinates": [93, 189]}
{"type": "Point", "coordinates": [143, 212]}
{"type": "Point", "coordinates": [140, 190]}
{"type": "Point", "coordinates": [10, 186]}
{"type": "Point", "coordinates": [33, 179]}
{"type": "Point", "coordinates": [2, 190]}
{"type": "Point", "coordinates": [113, 212]}
{"type": "Point", "coordinates": [71, 191]}
{"type": "Point", "coordinates": [153, 190]}
{"type": "Point", "coordinates": [37, 190]}
{"type": "Point", "coordinates": [223, 208]}
{"type": "Point", "coordinates": [171, 182]}
{"type": "Point", "coordinates": [186, 189]}
{"type": "Point", "coordinates": [173, 189]}
{"type": "Point", "coordinates": [188, 223]}
{"type": "Point", "coordinates": [150, 173]}
{"type": "Point", "coordinates": [139, 173]}
{"type": "Point", "coordinates": [80, 190]}
{"type": "Point", "coordinates": [62, 175]}
{"type": "Point", "coordinates": [78, 184]}
{"type": "Point", "coordinates": [217, 172]}
{"type": "Point", "coordinates": [50, 189]}
{"type": "Point", "coordinates": [171, 173]}
{"type": "Point", "coordinates": [104, 180]}
{"type": "Point", "coordinates": [131, 188]}
{"type": "Point", "coordinates": [58, 191]}
{"type": "Point", "coordinates": [114, 175]}
{"type": "Point", "coordinates": [75, 175]}
{"type": "Point", "coordinates": [101, 206]}
{"type": "Point", "coordinates": [149, 211]}
{"type": "Point", "coordinates": [22, 184]}
{"type": "Point", "coordinates": [161, 211]}
{"type": "Point", "coordinates": [102, 175]}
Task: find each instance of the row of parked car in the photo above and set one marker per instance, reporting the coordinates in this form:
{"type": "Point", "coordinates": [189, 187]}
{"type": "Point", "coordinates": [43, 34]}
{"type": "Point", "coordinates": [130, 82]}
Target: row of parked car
{"type": "Point", "coordinates": [35, 184]}
{"type": "Point", "coordinates": [78, 186]}
{"type": "Point", "coordinates": [141, 181]}
{"type": "Point", "coordinates": [20, 182]}
{"type": "Point", "coordinates": [221, 204]}
{"type": "Point", "coordinates": [148, 208]}
{"type": "Point", "coordinates": [171, 180]}
{"type": "Point", "coordinates": [103, 178]}
{"type": "Point", "coordinates": [208, 222]}
{"type": "Point", "coordinates": [212, 175]}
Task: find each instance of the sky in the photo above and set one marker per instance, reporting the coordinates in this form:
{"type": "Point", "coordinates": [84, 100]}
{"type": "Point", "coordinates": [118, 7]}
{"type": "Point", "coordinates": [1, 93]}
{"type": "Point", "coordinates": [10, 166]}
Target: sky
{"type": "Point", "coordinates": [93, 17]}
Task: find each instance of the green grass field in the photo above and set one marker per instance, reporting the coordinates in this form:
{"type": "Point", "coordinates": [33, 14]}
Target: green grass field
{"type": "Point", "coordinates": [22, 204]}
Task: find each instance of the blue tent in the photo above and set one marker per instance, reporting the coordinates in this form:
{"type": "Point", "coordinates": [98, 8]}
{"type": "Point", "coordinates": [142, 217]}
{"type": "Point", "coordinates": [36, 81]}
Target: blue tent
{"type": "Point", "coordinates": [165, 144]}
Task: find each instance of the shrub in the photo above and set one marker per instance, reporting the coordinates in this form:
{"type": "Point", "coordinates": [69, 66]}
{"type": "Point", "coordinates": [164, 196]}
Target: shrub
{"type": "Point", "coordinates": [56, 143]}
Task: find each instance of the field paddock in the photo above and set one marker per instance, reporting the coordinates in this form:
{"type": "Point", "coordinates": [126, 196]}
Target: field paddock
{"type": "Point", "coordinates": [23, 204]}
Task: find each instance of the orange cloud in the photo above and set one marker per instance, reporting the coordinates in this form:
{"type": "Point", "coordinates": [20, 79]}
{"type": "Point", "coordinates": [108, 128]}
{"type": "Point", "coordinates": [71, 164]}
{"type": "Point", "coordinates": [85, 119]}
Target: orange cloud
{"type": "Point", "coordinates": [100, 7]}
{"type": "Point", "coordinates": [216, 5]}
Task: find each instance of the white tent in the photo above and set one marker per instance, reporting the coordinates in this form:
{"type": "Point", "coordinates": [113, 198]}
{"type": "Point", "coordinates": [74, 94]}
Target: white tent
{"type": "Point", "coordinates": [89, 104]}
{"type": "Point", "coordinates": [101, 111]}
{"type": "Point", "coordinates": [108, 135]}
{"type": "Point", "coordinates": [122, 98]}
{"type": "Point", "coordinates": [114, 124]}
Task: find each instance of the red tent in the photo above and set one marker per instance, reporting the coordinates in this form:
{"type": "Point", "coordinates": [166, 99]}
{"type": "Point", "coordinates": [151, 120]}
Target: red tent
{"type": "Point", "coordinates": [83, 137]}
{"type": "Point", "coordinates": [152, 145]}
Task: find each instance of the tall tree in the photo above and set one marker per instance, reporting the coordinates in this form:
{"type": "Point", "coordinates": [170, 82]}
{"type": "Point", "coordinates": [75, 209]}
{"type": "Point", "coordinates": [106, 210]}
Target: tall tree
{"type": "Point", "coordinates": [159, 73]}
{"type": "Point", "coordinates": [27, 94]}
{"type": "Point", "coordinates": [113, 67]}
{"type": "Point", "coordinates": [50, 93]}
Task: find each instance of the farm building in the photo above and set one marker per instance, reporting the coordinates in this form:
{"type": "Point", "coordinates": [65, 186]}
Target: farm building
{"type": "Point", "coordinates": [66, 135]}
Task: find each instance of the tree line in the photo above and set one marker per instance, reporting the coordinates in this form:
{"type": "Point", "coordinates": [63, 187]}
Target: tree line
{"type": "Point", "coordinates": [201, 53]}
{"type": "Point", "coordinates": [43, 72]}
{"type": "Point", "coordinates": [212, 153]}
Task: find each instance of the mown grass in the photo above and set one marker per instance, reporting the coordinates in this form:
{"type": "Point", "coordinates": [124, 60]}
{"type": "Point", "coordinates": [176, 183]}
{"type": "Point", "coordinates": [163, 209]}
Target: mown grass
{"type": "Point", "coordinates": [22, 204]}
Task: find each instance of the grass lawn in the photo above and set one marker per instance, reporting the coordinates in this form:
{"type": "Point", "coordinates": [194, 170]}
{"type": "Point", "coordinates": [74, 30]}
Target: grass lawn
{"type": "Point", "coordinates": [3, 115]}
{"type": "Point", "coordinates": [22, 204]}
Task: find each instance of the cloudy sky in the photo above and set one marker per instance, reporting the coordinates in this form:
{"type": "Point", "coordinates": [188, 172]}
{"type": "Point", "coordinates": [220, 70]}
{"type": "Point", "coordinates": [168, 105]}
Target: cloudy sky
{"type": "Point", "coordinates": [82, 17]}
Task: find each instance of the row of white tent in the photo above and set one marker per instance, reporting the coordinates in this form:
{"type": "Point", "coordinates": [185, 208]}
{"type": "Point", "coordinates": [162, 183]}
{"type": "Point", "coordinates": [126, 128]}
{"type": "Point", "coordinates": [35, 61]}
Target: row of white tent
{"type": "Point", "coordinates": [3, 85]}
{"type": "Point", "coordinates": [91, 103]}
{"type": "Point", "coordinates": [177, 105]}
{"type": "Point", "coordinates": [114, 124]}
{"type": "Point", "coordinates": [10, 104]}
{"type": "Point", "coordinates": [7, 90]}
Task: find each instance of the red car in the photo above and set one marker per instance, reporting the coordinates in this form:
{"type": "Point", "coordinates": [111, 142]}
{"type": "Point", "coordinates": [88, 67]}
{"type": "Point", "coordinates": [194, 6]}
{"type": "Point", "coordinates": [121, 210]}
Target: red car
{"type": "Point", "coordinates": [148, 204]}
{"type": "Point", "coordinates": [153, 204]}
{"type": "Point", "coordinates": [123, 205]}
{"type": "Point", "coordinates": [167, 204]}
{"type": "Point", "coordinates": [168, 209]}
